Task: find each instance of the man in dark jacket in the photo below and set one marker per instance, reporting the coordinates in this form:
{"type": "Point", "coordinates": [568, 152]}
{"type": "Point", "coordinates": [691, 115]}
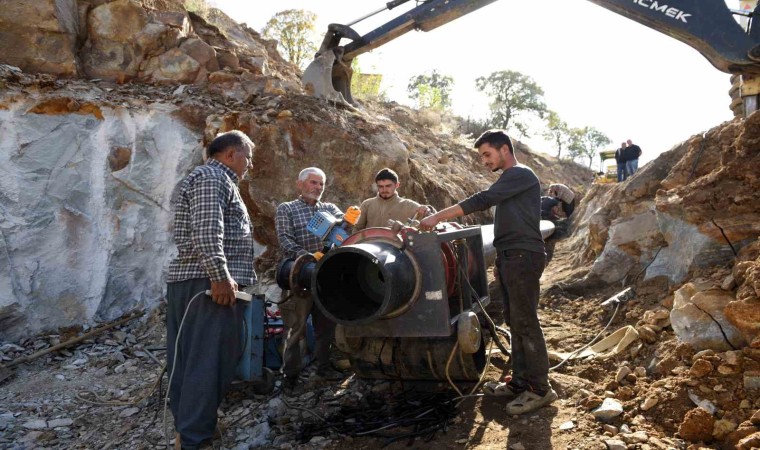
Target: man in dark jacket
{"type": "Point", "coordinates": [622, 173]}
{"type": "Point", "coordinates": [519, 264]}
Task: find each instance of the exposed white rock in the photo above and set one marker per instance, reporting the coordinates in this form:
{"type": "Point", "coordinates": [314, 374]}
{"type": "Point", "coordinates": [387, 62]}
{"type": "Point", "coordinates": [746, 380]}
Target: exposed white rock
{"type": "Point", "coordinates": [83, 240]}
{"type": "Point", "coordinates": [615, 444]}
{"type": "Point", "coordinates": [649, 403]}
{"type": "Point", "coordinates": [609, 409]}
{"type": "Point", "coordinates": [698, 319]}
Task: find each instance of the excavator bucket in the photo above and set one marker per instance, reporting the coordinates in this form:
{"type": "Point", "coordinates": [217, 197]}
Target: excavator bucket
{"type": "Point", "coordinates": [328, 77]}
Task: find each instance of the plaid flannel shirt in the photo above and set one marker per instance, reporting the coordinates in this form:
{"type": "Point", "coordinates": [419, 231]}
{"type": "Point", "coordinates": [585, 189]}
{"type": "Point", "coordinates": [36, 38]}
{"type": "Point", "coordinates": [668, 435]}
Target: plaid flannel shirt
{"type": "Point", "coordinates": [562, 192]}
{"type": "Point", "coordinates": [212, 229]}
{"type": "Point", "coordinates": [291, 220]}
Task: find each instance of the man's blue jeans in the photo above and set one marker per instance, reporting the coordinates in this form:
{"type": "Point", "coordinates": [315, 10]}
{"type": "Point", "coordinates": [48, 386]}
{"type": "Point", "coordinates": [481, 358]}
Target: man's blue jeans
{"type": "Point", "coordinates": [632, 166]}
{"type": "Point", "coordinates": [622, 172]}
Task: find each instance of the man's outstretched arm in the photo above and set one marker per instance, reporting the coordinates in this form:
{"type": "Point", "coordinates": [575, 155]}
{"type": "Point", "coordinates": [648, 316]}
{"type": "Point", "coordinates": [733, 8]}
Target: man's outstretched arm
{"type": "Point", "coordinates": [452, 212]}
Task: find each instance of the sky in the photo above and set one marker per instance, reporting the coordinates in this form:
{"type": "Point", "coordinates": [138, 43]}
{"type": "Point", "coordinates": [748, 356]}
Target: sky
{"type": "Point", "coordinates": [596, 68]}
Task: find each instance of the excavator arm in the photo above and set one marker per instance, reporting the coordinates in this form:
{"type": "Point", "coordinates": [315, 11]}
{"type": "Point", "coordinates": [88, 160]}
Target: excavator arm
{"type": "Point", "coordinates": [329, 75]}
{"type": "Point", "coordinates": [706, 25]}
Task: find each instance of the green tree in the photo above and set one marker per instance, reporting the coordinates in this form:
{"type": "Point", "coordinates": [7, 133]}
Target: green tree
{"type": "Point", "coordinates": [514, 96]}
{"type": "Point", "coordinates": [557, 131]}
{"type": "Point", "coordinates": [575, 143]}
{"type": "Point", "coordinates": [366, 86]}
{"type": "Point", "coordinates": [584, 143]}
{"type": "Point", "coordinates": [295, 34]}
{"type": "Point", "coordinates": [431, 91]}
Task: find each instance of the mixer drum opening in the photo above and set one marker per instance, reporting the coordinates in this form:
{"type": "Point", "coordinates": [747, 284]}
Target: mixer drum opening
{"type": "Point", "coordinates": [360, 283]}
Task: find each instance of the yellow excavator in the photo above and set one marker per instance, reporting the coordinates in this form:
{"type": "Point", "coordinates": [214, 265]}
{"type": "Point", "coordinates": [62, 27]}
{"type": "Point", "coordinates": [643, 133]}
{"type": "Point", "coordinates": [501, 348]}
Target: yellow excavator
{"type": "Point", "coordinates": [709, 26]}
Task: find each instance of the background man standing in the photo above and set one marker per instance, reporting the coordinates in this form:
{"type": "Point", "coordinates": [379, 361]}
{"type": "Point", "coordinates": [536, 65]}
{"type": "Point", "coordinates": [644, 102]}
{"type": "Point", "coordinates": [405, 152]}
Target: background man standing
{"type": "Point", "coordinates": [622, 174]}
{"type": "Point", "coordinates": [387, 205]}
{"type": "Point", "coordinates": [632, 160]}
{"type": "Point", "coordinates": [295, 240]}
{"type": "Point", "coordinates": [519, 265]}
{"type": "Point", "coordinates": [214, 240]}
{"type": "Point", "coordinates": [565, 195]}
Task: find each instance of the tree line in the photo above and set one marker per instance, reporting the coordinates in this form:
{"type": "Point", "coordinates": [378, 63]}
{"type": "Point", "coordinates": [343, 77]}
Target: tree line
{"type": "Point", "coordinates": [514, 98]}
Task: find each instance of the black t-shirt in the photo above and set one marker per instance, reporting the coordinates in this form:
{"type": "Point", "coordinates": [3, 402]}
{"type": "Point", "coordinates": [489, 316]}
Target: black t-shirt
{"type": "Point", "coordinates": [632, 152]}
{"type": "Point", "coordinates": [517, 197]}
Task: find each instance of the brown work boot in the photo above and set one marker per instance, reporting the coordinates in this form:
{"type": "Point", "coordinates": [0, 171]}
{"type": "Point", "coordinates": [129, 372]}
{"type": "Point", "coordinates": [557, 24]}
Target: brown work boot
{"type": "Point", "coordinates": [205, 445]}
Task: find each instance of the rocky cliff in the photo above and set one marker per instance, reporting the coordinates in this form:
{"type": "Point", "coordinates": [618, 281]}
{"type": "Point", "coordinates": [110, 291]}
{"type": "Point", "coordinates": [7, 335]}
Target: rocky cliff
{"type": "Point", "coordinates": [690, 214]}
{"type": "Point", "coordinates": [106, 105]}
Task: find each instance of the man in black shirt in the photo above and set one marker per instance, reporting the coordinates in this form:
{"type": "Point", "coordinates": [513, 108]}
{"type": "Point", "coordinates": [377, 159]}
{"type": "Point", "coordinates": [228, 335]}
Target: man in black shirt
{"type": "Point", "coordinates": [633, 152]}
{"type": "Point", "coordinates": [519, 264]}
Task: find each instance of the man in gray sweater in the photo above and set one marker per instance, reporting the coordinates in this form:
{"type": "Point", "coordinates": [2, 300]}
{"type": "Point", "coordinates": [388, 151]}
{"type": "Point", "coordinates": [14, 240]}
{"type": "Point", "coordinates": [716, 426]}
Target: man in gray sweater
{"type": "Point", "coordinates": [519, 264]}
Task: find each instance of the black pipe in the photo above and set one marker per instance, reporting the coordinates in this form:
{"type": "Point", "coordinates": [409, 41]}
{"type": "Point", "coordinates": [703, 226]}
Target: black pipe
{"type": "Point", "coordinates": [361, 283]}
{"type": "Point", "coordinates": [284, 269]}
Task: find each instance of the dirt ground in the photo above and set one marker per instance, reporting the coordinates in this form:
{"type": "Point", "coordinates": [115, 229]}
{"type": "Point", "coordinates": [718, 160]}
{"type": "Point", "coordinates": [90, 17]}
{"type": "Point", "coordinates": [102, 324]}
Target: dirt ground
{"type": "Point", "coordinates": [101, 394]}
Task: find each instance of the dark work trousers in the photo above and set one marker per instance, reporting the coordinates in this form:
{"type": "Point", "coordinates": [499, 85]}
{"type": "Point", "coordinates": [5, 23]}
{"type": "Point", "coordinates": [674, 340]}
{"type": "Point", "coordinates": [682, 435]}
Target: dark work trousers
{"type": "Point", "coordinates": [519, 272]}
{"type": "Point", "coordinates": [210, 346]}
{"type": "Point", "coordinates": [295, 312]}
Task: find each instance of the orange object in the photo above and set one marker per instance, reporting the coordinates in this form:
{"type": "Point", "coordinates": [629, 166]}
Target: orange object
{"type": "Point", "coordinates": [352, 215]}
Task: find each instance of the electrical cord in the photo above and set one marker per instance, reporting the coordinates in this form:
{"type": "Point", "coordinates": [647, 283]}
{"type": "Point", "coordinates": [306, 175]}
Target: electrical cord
{"type": "Point", "coordinates": [568, 357]}
{"type": "Point", "coordinates": [174, 362]}
{"type": "Point", "coordinates": [491, 325]}
{"type": "Point", "coordinates": [494, 337]}
{"type": "Point", "coordinates": [176, 350]}
{"type": "Point", "coordinates": [80, 395]}
{"type": "Point", "coordinates": [448, 364]}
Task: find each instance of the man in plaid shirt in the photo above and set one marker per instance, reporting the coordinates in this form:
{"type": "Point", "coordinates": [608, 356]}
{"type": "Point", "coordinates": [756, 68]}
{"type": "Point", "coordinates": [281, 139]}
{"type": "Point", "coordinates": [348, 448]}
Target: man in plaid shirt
{"type": "Point", "coordinates": [295, 240]}
{"type": "Point", "coordinates": [214, 240]}
{"type": "Point", "coordinates": [565, 195]}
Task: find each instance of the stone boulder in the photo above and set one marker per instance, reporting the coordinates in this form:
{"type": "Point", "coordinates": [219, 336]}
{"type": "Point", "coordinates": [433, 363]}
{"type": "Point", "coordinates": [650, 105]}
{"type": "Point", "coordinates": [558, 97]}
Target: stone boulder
{"type": "Point", "coordinates": [697, 426]}
{"type": "Point", "coordinates": [744, 312]}
{"type": "Point", "coordinates": [125, 40]}
{"type": "Point", "coordinates": [40, 36]}
{"type": "Point", "coordinates": [698, 319]}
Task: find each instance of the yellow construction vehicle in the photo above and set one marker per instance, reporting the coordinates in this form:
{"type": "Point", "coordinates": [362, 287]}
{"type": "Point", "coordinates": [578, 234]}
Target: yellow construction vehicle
{"type": "Point", "coordinates": [607, 172]}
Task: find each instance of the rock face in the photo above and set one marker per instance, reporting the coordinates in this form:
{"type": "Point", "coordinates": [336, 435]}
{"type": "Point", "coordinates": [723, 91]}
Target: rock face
{"type": "Point", "coordinates": [40, 35]}
{"type": "Point", "coordinates": [124, 40]}
{"type": "Point", "coordinates": [680, 213]}
{"type": "Point", "coordinates": [86, 211]}
{"type": "Point", "coordinates": [698, 319]}
{"type": "Point", "coordinates": [744, 312]}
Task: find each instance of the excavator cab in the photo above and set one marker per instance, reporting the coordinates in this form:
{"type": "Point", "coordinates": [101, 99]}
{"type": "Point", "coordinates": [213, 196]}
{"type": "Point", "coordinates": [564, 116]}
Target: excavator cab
{"type": "Point", "coordinates": [706, 25]}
